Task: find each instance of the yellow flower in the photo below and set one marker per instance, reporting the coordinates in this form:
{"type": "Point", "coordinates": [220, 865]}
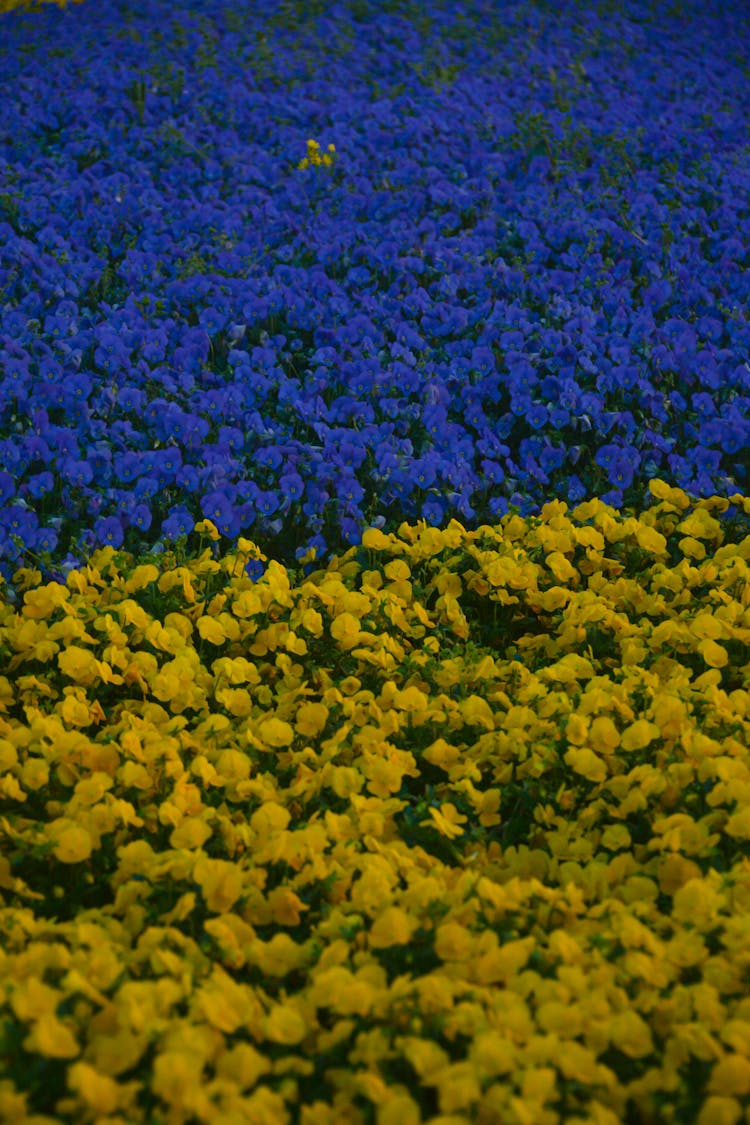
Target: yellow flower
{"type": "Point", "coordinates": [212, 630]}
{"type": "Point", "coordinates": [223, 1001]}
{"type": "Point", "coordinates": [51, 1038]}
{"type": "Point", "coordinates": [440, 753]}
{"type": "Point", "coordinates": [100, 1092]}
{"type": "Point", "coordinates": [208, 528]}
{"type": "Point", "coordinates": [286, 906]}
{"type": "Point", "coordinates": [284, 1024]}
{"type": "Point", "coordinates": [72, 842]}
{"type": "Point", "coordinates": [400, 1109]}
{"type": "Point", "coordinates": [577, 729]}
{"type": "Point", "coordinates": [78, 664]}
{"type": "Point", "coordinates": [603, 735]}
{"type": "Point", "coordinates": [639, 734]}
{"type": "Point", "coordinates": [276, 732]}
{"type": "Point", "coordinates": [714, 655]}
{"type": "Point", "coordinates": [651, 540]}
{"type": "Point", "coordinates": [453, 942]}
{"type": "Point", "coordinates": [345, 629]}
{"type": "Point", "coordinates": [393, 927]}
{"type": "Point", "coordinates": [311, 719]}
{"type": "Point", "coordinates": [586, 763]}
{"type": "Point", "coordinates": [663, 491]}
{"type": "Point", "coordinates": [719, 1110]}
{"type": "Point", "coordinates": [503, 962]}
{"type": "Point", "coordinates": [312, 621]}
{"type": "Point", "coordinates": [447, 819]}
{"type": "Point", "coordinates": [192, 833]}
{"type": "Point", "coordinates": [731, 1075]}
{"type": "Point", "coordinates": [561, 567]}
{"type": "Point", "coordinates": [698, 901]}
{"type": "Point", "coordinates": [630, 1033]}
{"type": "Point", "coordinates": [375, 540]}
{"type": "Point", "coordinates": [345, 780]}
{"type": "Point", "coordinates": [458, 1088]}
{"type": "Point", "coordinates": [427, 1058]}
{"type": "Point", "coordinates": [237, 701]}
{"type": "Point", "coordinates": [31, 999]}
{"type": "Point", "coordinates": [692, 548]}
{"type": "Point", "coordinates": [220, 882]}
{"type": "Point", "coordinates": [477, 711]}
{"type": "Point", "coordinates": [241, 1064]}
{"type": "Point", "coordinates": [42, 603]}
{"type": "Point", "coordinates": [578, 1063]}
{"type": "Point", "coordinates": [700, 525]}
{"type": "Point", "coordinates": [271, 817]}
{"type": "Point", "coordinates": [493, 1054]}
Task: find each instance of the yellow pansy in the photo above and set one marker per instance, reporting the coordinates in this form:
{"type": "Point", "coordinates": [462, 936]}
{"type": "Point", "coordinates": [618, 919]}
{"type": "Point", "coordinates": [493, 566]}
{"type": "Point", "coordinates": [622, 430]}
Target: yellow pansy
{"type": "Point", "coordinates": [731, 1075]}
{"type": "Point", "coordinates": [561, 567]}
{"type": "Point", "coordinates": [603, 735]}
{"type": "Point", "coordinates": [191, 833]}
{"type": "Point", "coordinates": [284, 1024]}
{"type": "Point", "coordinates": [242, 1064]}
{"type": "Point", "coordinates": [713, 654]}
{"type": "Point", "coordinates": [211, 630]}
{"type": "Point", "coordinates": [577, 729]}
{"type": "Point", "coordinates": [78, 664]}
{"type": "Point", "coordinates": [453, 942]}
{"type": "Point", "coordinates": [237, 701]}
{"type": "Point", "coordinates": [286, 906]}
{"type": "Point", "coordinates": [220, 881]}
{"type": "Point", "coordinates": [493, 1053]}
{"type": "Point", "coordinates": [271, 817]}
{"type": "Point", "coordinates": [72, 842]}
{"type": "Point", "coordinates": [457, 1087]}
{"type": "Point", "coordinates": [639, 734]}
{"type": "Point", "coordinates": [503, 962]}
{"type": "Point", "coordinates": [393, 927]}
{"type": "Point", "coordinates": [207, 527]}
{"type": "Point", "coordinates": [585, 763]}
{"type": "Point", "coordinates": [140, 577]}
{"type": "Point", "coordinates": [701, 525]}
{"type": "Point", "coordinates": [222, 1001]}
{"type": "Point", "coordinates": [477, 710]}
{"type": "Point", "coordinates": [447, 819]}
{"type": "Point", "coordinates": [692, 548]}
{"type": "Point", "coordinates": [276, 732]}
{"type": "Point", "coordinates": [32, 999]}
{"type": "Point", "coordinates": [345, 629]}
{"type": "Point", "coordinates": [426, 1057]}
{"type": "Point", "coordinates": [345, 780]}
{"type": "Point", "coordinates": [719, 1110]}
{"type": "Point", "coordinates": [311, 719]}
{"type": "Point", "coordinates": [400, 1109]}
{"type": "Point", "coordinates": [35, 774]}
{"type": "Point", "coordinates": [100, 1092]}
{"type": "Point", "coordinates": [651, 540]}
{"type": "Point", "coordinates": [51, 1038]}
{"type": "Point", "coordinates": [663, 491]}
{"type": "Point", "coordinates": [630, 1033]}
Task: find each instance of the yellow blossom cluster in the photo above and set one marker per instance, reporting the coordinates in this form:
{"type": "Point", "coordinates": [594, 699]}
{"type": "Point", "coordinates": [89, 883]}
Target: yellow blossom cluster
{"type": "Point", "coordinates": [453, 830]}
{"type": "Point", "coordinates": [12, 5]}
{"type": "Point", "coordinates": [315, 158]}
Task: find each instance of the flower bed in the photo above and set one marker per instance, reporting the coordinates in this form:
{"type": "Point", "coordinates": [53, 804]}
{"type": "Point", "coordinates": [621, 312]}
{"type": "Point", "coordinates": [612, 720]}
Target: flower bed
{"type": "Point", "coordinates": [374, 638]}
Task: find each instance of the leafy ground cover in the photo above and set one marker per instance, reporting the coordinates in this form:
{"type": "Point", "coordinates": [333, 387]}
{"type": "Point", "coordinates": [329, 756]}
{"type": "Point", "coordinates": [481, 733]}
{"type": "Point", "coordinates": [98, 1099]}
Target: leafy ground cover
{"type": "Point", "coordinates": [374, 628]}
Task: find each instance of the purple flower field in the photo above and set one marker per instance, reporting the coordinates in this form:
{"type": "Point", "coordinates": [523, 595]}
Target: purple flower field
{"type": "Point", "coordinates": [521, 272]}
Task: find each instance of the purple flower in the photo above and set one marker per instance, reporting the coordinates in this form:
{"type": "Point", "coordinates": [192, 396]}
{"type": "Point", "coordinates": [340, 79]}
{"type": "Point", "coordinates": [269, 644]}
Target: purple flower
{"type": "Point", "coordinates": [178, 523]}
{"type": "Point", "coordinates": [108, 531]}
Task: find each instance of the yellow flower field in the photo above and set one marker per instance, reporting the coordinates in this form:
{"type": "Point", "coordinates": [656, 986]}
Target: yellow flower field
{"type": "Point", "coordinates": [453, 830]}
